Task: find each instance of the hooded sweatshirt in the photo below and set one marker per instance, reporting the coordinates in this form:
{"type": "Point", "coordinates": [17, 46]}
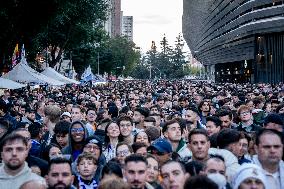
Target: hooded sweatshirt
{"type": "Point", "coordinates": [14, 182]}
{"type": "Point", "coordinates": [69, 149]}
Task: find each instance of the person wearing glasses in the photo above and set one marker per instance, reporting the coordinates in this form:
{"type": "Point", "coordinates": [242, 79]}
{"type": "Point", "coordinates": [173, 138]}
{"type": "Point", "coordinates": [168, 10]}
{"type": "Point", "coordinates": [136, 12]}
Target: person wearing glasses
{"type": "Point", "coordinates": [77, 135]}
{"type": "Point", "coordinates": [246, 124]}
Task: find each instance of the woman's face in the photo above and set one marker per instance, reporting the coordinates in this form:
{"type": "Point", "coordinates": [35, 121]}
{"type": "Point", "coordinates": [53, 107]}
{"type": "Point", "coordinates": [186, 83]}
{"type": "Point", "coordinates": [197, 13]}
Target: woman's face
{"type": "Point", "coordinates": [122, 152]}
{"type": "Point", "coordinates": [152, 170]}
{"type": "Point", "coordinates": [113, 130]}
{"type": "Point", "coordinates": [77, 132]}
{"type": "Point", "coordinates": [54, 152]}
{"type": "Point", "coordinates": [142, 137]}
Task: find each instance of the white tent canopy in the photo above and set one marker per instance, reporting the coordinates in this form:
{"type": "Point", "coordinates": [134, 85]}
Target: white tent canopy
{"type": "Point", "coordinates": [50, 72]}
{"type": "Point", "coordinates": [9, 84]}
{"type": "Point", "coordinates": [24, 74]}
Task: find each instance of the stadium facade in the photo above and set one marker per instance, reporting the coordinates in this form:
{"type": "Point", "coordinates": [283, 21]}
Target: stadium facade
{"type": "Point", "coordinates": [237, 40]}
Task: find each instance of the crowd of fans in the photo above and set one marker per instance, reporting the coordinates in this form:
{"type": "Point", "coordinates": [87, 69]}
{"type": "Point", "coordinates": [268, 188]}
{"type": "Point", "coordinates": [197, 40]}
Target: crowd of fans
{"type": "Point", "coordinates": [144, 135]}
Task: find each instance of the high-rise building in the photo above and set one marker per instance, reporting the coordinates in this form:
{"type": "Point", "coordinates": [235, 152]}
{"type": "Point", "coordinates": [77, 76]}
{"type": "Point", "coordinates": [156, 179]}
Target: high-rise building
{"type": "Point", "coordinates": [237, 40]}
{"type": "Point", "coordinates": [127, 27]}
{"type": "Point", "coordinates": [116, 18]}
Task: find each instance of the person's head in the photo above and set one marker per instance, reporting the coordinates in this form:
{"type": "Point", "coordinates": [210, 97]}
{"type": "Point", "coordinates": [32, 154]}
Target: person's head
{"type": "Point", "coordinates": [142, 137]}
{"type": "Point", "coordinates": [61, 131]}
{"type": "Point", "coordinates": [77, 113]}
{"type": "Point", "coordinates": [191, 114]}
{"type": "Point", "coordinates": [161, 149]}
{"type": "Point", "coordinates": [139, 148]}
{"type": "Point", "coordinates": [140, 114]}
{"type": "Point", "coordinates": [249, 176]}
{"type": "Point", "coordinates": [125, 126]}
{"type": "Point", "coordinates": [244, 113]}
{"type": "Point", "coordinates": [113, 183]}
{"type": "Point", "coordinates": [111, 169]}
{"type": "Point", "coordinates": [14, 151]}
{"type": "Point", "coordinates": [51, 114]}
{"type": "Point", "coordinates": [172, 131]}
{"type": "Point", "coordinates": [269, 147]}
{"type": "Point", "coordinates": [111, 131]}
{"type": "Point", "coordinates": [87, 165]}
{"type": "Point", "coordinates": [280, 109]}
{"type": "Point", "coordinates": [226, 118]}
{"type": "Point", "coordinates": [35, 130]}
{"type": "Point", "coordinates": [204, 106]}
{"type": "Point", "coordinates": [93, 145]}
{"type": "Point", "coordinates": [273, 121]}
{"type": "Point", "coordinates": [35, 184]}
{"type": "Point", "coordinates": [173, 174]}
{"type": "Point", "coordinates": [66, 116]}
{"type": "Point", "coordinates": [193, 167]}
{"type": "Point", "coordinates": [152, 169]}
{"type": "Point", "coordinates": [91, 115]}
{"type": "Point", "coordinates": [122, 151]}
{"type": "Point", "coordinates": [52, 151]}
{"type": "Point", "coordinates": [200, 182]}
{"type": "Point", "coordinates": [230, 139]}
{"type": "Point", "coordinates": [215, 164]}
{"type": "Point", "coordinates": [153, 133]}
{"type": "Point", "coordinates": [77, 132]}
{"type": "Point", "coordinates": [4, 127]}
{"type": "Point", "coordinates": [135, 171]}
{"type": "Point", "coordinates": [30, 114]}
{"type": "Point", "coordinates": [155, 109]}
{"type": "Point", "coordinates": [59, 173]}
{"type": "Point", "coordinates": [149, 122]}
{"type": "Point", "coordinates": [25, 133]}
{"type": "Point", "coordinates": [245, 142]}
{"type": "Point", "coordinates": [213, 125]}
{"type": "Point", "coordinates": [199, 144]}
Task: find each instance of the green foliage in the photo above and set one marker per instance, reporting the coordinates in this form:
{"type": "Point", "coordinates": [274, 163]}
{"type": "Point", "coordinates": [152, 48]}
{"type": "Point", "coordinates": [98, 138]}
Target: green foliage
{"type": "Point", "coordinates": [169, 63]}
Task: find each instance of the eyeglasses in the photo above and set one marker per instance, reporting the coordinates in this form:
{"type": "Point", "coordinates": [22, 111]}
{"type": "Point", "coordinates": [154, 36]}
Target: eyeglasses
{"type": "Point", "coordinates": [245, 113]}
{"type": "Point", "coordinates": [77, 130]}
{"type": "Point", "coordinates": [122, 153]}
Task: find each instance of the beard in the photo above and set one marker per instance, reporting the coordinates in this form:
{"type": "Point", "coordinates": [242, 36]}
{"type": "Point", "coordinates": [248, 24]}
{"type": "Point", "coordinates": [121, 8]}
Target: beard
{"type": "Point", "coordinates": [13, 166]}
{"type": "Point", "coordinates": [63, 186]}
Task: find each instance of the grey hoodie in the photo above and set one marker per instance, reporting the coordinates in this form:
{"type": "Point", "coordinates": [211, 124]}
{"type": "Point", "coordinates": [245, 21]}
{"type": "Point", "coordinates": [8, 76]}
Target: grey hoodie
{"type": "Point", "coordinates": [14, 182]}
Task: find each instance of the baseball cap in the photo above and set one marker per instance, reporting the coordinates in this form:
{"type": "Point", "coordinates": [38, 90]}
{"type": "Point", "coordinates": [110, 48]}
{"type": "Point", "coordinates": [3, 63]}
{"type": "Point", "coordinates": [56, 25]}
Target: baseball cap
{"type": "Point", "coordinates": [162, 145]}
{"type": "Point", "coordinates": [94, 140]}
{"type": "Point", "coordinates": [66, 114]}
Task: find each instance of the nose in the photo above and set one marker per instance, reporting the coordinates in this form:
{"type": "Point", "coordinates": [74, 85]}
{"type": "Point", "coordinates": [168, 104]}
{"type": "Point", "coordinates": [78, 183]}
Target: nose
{"type": "Point", "coordinates": [172, 178]}
{"type": "Point", "coordinates": [14, 152]}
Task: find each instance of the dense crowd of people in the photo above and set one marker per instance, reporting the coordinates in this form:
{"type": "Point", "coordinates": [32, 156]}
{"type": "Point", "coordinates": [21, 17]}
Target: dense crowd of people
{"type": "Point", "coordinates": [143, 134]}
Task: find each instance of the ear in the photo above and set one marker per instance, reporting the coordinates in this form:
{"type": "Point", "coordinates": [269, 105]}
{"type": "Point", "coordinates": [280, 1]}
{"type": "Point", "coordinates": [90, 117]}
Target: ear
{"type": "Point", "coordinates": [166, 134]}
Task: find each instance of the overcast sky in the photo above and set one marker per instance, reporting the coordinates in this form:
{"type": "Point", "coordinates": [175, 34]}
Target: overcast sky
{"type": "Point", "coordinates": [152, 19]}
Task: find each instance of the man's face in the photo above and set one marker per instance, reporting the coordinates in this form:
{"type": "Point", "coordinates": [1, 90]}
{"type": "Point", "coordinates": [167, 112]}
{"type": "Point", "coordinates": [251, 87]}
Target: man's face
{"type": "Point", "coordinates": [60, 176]}
{"type": "Point", "coordinates": [270, 149]}
{"type": "Point", "coordinates": [77, 132]}
{"type": "Point", "coordinates": [173, 176]}
{"type": "Point", "coordinates": [190, 116]}
{"type": "Point", "coordinates": [137, 117]}
{"type": "Point", "coordinates": [125, 128]}
{"type": "Point", "coordinates": [252, 183]}
{"type": "Point", "coordinates": [236, 148]}
{"type": "Point", "coordinates": [199, 145]}
{"type": "Point", "coordinates": [212, 128]}
{"type": "Point", "coordinates": [86, 167]}
{"type": "Point", "coordinates": [135, 174]}
{"type": "Point", "coordinates": [173, 132]}
{"type": "Point", "coordinates": [14, 154]}
{"type": "Point", "coordinates": [62, 139]}
{"type": "Point", "coordinates": [226, 122]}
{"type": "Point", "coordinates": [76, 114]}
{"type": "Point", "coordinates": [91, 116]}
{"type": "Point", "coordinates": [215, 166]}
{"type": "Point", "coordinates": [31, 116]}
{"type": "Point", "coordinates": [93, 149]}
{"type": "Point", "coordinates": [245, 115]}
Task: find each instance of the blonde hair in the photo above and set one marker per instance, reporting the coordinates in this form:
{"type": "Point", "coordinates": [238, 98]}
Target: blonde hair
{"type": "Point", "coordinates": [53, 113]}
